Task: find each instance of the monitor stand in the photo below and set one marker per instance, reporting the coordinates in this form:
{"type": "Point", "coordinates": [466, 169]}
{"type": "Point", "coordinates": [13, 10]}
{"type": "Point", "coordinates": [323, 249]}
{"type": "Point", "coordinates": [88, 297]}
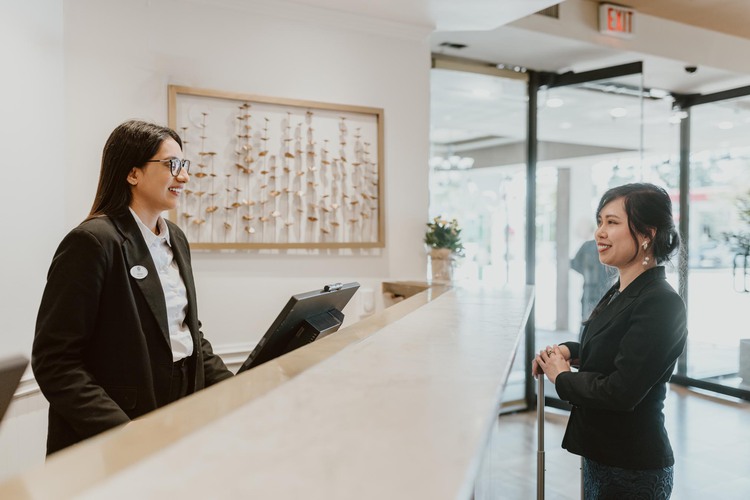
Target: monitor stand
{"type": "Point", "coordinates": [316, 326]}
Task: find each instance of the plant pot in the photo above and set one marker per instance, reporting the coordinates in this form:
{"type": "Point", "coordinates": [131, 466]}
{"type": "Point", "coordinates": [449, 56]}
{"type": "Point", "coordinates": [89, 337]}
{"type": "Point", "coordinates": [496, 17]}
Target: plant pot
{"type": "Point", "coordinates": [441, 264]}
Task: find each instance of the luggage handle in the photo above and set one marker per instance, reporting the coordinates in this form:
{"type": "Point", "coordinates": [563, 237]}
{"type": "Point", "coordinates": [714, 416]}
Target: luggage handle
{"type": "Point", "coordinates": [540, 441]}
{"type": "Point", "coordinates": [540, 437]}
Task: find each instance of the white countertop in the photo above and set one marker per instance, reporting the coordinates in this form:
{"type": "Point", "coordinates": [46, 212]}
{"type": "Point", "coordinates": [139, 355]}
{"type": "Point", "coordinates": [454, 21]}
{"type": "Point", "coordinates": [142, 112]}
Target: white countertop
{"type": "Point", "coordinates": [402, 413]}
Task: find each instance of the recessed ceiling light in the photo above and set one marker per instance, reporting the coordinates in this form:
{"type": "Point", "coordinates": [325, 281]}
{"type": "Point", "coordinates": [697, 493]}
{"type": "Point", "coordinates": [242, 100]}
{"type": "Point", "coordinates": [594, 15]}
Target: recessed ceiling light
{"type": "Point", "coordinates": [554, 102]}
{"type": "Point", "coordinates": [725, 125]}
{"type": "Point", "coordinates": [618, 112]}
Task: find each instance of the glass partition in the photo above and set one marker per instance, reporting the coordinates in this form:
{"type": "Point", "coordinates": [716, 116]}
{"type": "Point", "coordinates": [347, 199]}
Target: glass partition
{"type": "Point", "coordinates": [478, 176]}
{"type": "Point", "coordinates": [718, 299]}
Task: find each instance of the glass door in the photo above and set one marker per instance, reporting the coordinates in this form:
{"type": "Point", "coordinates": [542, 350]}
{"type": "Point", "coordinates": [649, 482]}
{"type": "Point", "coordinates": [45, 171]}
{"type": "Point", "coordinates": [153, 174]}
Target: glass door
{"type": "Point", "coordinates": [718, 275]}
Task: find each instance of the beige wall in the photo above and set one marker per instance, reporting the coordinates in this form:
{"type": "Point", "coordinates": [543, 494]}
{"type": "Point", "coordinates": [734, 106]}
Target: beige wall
{"type": "Point", "coordinates": [33, 157]}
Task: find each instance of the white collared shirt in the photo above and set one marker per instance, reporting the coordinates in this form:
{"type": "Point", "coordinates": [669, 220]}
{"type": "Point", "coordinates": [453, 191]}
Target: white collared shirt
{"type": "Point", "coordinates": [175, 293]}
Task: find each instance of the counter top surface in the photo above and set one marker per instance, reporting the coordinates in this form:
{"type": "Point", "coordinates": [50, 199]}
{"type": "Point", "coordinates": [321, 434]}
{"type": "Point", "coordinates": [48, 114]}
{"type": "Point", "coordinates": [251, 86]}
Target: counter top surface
{"type": "Point", "coordinates": [404, 412]}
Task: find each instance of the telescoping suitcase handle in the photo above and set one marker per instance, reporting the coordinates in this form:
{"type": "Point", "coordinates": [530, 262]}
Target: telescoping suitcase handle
{"type": "Point", "coordinates": [540, 437]}
{"type": "Point", "coordinates": [540, 441]}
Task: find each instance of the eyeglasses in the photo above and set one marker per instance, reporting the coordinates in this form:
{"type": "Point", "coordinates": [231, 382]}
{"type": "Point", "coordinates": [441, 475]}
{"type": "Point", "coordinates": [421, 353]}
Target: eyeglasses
{"type": "Point", "coordinates": [175, 165]}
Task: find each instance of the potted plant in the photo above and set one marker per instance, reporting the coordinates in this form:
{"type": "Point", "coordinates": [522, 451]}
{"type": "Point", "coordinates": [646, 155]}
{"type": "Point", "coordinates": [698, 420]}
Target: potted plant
{"type": "Point", "coordinates": [443, 239]}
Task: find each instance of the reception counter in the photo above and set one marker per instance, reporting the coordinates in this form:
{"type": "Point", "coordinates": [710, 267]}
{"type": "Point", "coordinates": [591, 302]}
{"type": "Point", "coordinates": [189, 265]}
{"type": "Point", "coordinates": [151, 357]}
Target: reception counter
{"type": "Point", "coordinates": [399, 405]}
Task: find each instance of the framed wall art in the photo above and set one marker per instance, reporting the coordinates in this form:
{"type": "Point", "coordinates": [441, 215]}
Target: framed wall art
{"type": "Point", "coordinates": [278, 173]}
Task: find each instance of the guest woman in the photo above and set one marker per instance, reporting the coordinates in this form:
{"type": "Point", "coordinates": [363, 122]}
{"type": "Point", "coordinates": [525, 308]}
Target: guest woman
{"type": "Point", "coordinates": [117, 334]}
{"type": "Point", "coordinates": [627, 353]}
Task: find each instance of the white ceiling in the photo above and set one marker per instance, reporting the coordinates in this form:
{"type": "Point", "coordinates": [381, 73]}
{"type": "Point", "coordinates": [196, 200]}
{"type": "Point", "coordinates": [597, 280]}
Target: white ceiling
{"type": "Point", "coordinates": [498, 109]}
{"type": "Point", "coordinates": [441, 14]}
{"type": "Point", "coordinates": [470, 107]}
{"type": "Point", "coordinates": [539, 51]}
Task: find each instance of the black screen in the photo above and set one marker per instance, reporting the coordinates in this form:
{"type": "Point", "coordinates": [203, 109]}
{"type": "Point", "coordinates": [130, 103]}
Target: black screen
{"type": "Point", "coordinates": [305, 318]}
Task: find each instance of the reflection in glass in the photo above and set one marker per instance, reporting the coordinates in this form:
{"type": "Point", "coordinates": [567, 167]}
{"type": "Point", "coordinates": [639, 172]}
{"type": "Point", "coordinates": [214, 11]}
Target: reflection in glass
{"type": "Point", "coordinates": [478, 176]}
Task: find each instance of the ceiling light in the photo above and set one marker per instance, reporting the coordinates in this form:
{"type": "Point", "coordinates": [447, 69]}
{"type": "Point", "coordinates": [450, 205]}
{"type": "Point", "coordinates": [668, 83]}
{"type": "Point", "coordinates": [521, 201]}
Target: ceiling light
{"type": "Point", "coordinates": [554, 102]}
{"type": "Point", "coordinates": [453, 162]}
{"type": "Point", "coordinates": [618, 112]}
{"type": "Point", "coordinates": [725, 125]}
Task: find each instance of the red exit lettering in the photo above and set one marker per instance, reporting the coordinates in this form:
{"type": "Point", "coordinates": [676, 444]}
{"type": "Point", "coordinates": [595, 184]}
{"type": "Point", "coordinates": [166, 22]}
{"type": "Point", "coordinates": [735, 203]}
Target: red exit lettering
{"type": "Point", "coordinates": [615, 20]}
{"type": "Point", "coordinates": [620, 21]}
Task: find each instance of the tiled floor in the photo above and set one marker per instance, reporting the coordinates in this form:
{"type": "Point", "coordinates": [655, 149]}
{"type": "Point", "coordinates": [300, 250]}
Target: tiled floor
{"type": "Point", "coordinates": [710, 437]}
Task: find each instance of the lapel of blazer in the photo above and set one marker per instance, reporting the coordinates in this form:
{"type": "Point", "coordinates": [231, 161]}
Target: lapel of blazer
{"type": "Point", "coordinates": [181, 252]}
{"type": "Point", "coordinates": [137, 254]}
{"type": "Point", "coordinates": [622, 302]}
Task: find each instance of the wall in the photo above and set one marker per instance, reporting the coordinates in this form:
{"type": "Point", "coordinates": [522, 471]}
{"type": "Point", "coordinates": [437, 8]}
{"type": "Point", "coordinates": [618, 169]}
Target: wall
{"type": "Point", "coordinates": [121, 55]}
{"type": "Point", "coordinates": [31, 96]}
{"type": "Point", "coordinates": [31, 93]}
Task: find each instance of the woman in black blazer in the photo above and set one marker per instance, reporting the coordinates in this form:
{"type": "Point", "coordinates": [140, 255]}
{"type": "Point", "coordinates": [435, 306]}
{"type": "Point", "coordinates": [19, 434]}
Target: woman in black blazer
{"type": "Point", "coordinates": [117, 332]}
{"type": "Point", "coordinates": [627, 353]}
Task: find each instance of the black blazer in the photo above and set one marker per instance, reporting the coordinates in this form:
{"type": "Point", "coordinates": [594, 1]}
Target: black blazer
{"type": "Point", "coordinates": [627, 355]}
{"type": "Point", "coordinates": [101, 352]}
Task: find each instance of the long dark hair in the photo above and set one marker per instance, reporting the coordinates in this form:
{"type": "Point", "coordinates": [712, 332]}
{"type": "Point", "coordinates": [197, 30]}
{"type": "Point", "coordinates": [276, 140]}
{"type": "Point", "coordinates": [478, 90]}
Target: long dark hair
{"type": "Point", "coordinates": [649, 211]}
{"type": "Point", "coordinates": [129, 145]}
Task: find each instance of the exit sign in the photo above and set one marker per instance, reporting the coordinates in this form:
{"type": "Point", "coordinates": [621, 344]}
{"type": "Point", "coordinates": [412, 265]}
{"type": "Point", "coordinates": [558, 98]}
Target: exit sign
{"type": "Point", "coordinates": [616, 21]}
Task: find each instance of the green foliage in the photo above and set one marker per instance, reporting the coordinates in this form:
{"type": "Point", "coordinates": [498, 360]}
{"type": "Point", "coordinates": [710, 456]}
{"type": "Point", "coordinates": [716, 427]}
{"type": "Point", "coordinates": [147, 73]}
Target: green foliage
{"type": "Point", "coordinates": [743, 205]}
{"type": "Point", "coordinates": [740, 240]}
{"type": "Point", "coordinates": [443, 234]}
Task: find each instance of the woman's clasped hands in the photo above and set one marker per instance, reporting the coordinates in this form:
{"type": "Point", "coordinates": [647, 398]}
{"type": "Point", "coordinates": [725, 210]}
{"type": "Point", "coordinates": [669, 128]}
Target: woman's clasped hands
{"type": "Point", "coordinates": [552, 360]}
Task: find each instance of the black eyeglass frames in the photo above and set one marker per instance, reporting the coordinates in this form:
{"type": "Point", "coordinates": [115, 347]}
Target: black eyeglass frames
{"type": "Point", "coordinates": [175, 165]}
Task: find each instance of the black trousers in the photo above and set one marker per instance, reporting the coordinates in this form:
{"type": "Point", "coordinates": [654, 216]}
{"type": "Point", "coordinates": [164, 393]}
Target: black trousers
{"type": "Point", "coordinates": [179, 386]}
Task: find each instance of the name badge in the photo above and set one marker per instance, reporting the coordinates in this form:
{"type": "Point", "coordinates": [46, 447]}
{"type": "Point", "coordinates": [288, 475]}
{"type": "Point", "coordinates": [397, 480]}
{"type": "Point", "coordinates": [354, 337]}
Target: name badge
{"type": "Point", "coordinates": [138, 272]}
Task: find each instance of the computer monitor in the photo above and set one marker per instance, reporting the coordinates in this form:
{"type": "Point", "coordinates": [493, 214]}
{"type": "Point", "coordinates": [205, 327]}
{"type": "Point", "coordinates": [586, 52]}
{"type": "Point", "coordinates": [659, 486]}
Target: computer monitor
{"type": "Point", "coordinates": [11, 370]}
{"type": "Point", "coordinates": [306, 317]}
